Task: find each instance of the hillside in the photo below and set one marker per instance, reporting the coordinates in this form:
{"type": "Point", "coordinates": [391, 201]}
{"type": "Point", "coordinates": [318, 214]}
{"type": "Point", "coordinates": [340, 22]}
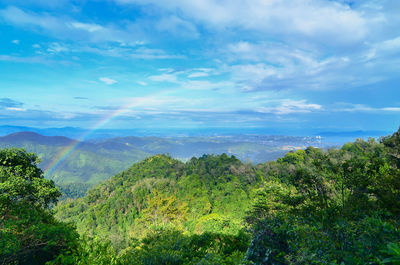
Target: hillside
{"type": "Point", "coordinates": [340, 203]}
{"type": "Point", "coordinates": [96, 160]}
{"type": "Point", "coordinates": [89, 163]}
{"type": "Point", "coordinates": [206, 194]}
{"type": "Point", "coordinates": [312, 206]}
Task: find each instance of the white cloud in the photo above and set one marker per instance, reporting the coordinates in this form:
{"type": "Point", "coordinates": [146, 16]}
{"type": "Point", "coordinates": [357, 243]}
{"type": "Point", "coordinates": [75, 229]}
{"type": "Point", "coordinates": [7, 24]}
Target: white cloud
{"type": "Point", "coordinates": [277, 66]}
{"type": "Point", "coordinates": [147, 53]}
{"type": "Point", "coordinates": [31, 59]}
{"type": "Point", "coordinates": [394, 109]}
{"type": "Point", "coordinates": [16, 42]}
{"type": "Point", "coordinates": [177, 26]}
{"type": "Point", "coordinates": [256, 72]}
{"type": "Point", "coordinates": [198, 74]}
{"type": "Point", "coordinates": [206, 85]}
{"type": "Point", "coordinates": [168, 70]}
{"type": "Point", "coordinates": [349, 107]}
{"type": "Point", "coordinates": [249, 77]}
{"type": "Point", "coordinates": [64, 27]}
{"type": "Point", "coordinates": [127, 52]}
{"type": "Point", "coordinates": [107, 81]}
{"type": "Point", "coordinates": [15, 109]}
{"type": "Point", "coordinates": [141, 83]}
{"type": "Point", "coordinates": [390, 44]}
{"type": "Point", "coordinates": [288, 106]}
{"type": "Point", "coordinates": [86, 27]}
{"type": "Point", "coordinates": [16, 16]}
{"type": "Point", "coordinates": [56, 47]}
{"type": "Point", "coordinates": [157, 103]}
{"type": "Point", "coordinates": [325, 20]}
{"type": "Point", "coordinates": [382, 49]}
{"type": "Point", "coordinates": [171, 78]}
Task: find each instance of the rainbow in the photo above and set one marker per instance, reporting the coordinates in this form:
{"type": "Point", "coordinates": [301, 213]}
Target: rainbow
{"type": "Point", "coordinates": [68, 150]}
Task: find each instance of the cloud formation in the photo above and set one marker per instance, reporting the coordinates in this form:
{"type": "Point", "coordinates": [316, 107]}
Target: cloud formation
{"type": "Point", "coordinates": [325, 20]}
{"type": "Point", "coordinates": [63, 27]}
{"type": "Point", "coordinates": [107, 80]}
{"type": "Point", "coordinates": [10, 103]}
{"type": "Point", "coordinates": [203, 62]}
{"type": "Point", "coordinates": [291, 106]}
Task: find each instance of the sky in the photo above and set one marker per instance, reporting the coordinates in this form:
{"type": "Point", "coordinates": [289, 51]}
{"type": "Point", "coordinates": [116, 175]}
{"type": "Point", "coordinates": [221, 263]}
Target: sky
{"type": "Point", "coordinates": [123, 64]}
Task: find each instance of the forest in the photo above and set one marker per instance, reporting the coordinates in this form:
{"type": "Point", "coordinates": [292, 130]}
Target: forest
{"type": "Point", "coordinates": [96, 160]}
{"type": "Point", "coordinates": [312, 206]}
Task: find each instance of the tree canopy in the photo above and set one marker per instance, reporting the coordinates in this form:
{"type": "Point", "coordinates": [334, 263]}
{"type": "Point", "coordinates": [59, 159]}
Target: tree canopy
{"type": "Point", "coordinates": [29, 234]}
{"type": "Point", "coordinates": [312, 206]}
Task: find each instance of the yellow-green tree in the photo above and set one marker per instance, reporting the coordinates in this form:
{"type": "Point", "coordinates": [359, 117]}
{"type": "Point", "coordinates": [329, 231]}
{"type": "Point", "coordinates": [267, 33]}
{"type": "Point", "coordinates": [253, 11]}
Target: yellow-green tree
{"type": "Point", "coordinates": [163, 211]}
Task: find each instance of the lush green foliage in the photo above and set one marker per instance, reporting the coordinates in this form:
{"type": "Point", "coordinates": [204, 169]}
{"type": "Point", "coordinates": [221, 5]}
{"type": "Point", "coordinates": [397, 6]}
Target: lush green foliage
{"type": "Point", "coordinates": [209, 194]}
{"type": "Point", "coordinates": [29, 234]}
{"type": "Point", "coordinates": [312, 206]}
{"type": "Point", "coordinates": [89, 164]}
{"type": "Point", "coordinates": [95, 161]}
{"type": "Point", "coordinates": [73, 190]}
{"type": "Point", "coordinates": [339, 206]}
{"type": "Point", "coordinates": [174, 247]}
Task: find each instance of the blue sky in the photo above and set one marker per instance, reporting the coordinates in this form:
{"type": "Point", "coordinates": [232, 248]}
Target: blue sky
{"type": "Point", "coordinates": [202, 63]}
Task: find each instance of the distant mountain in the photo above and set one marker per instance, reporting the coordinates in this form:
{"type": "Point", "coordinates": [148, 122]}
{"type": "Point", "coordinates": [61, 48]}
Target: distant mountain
{"type": "Point", "coordinates": [79, 133]}
{"type": "Point", "coordinates": [18, 137]}
{"type": "Point", "coordinates": [353, 134]}
{"type": "Point", "coordinates": [95, 160]}
{"type": "Point", "coordinates": [70, 132]}
{"type": "Point", "coordinates": [82, 133]}
{"type": "Point", "coordinates": [89, 163]}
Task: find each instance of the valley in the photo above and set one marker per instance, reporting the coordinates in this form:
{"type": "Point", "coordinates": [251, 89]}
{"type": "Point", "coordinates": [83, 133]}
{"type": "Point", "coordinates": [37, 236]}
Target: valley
{"type": "Point", "coordinates": [95, 160]}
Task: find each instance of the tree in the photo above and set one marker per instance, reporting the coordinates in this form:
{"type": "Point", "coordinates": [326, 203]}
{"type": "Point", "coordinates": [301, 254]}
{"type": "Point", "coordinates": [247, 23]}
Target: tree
{"type": "Point", "coordinates": [328, 207]}
{"type": "Point", "coordinates": [29, 234]}
{"type": "Point", "coordinates": [163, 210]}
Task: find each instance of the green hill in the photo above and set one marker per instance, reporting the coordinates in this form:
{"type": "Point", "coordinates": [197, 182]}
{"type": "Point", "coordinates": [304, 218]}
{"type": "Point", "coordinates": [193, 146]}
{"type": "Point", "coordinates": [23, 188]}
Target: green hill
{"type": "Point", "coordinates": [90, 163]}
{"type": "Point", "coordinates": [94, 161]}
{"type": "Point", "coordinates": [207, 194]}
{"type": "Point", "coordinates": [312, 206]}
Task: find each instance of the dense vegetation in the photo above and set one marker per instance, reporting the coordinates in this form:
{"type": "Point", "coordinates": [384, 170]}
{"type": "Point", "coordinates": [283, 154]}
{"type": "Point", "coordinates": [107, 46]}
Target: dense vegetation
{"type": "Point", "coordinates": [334, 207]}
{"type": "Point", "coordinates": [96, 160]}
{"type": "Point", "coordinates": [207, 194]}
{"type": "Point", "coordinates": [339, 206]}
{"type": "Point", "coordinates": [29, 234]}
{"type": "Point", "coordinates": [89, 164]}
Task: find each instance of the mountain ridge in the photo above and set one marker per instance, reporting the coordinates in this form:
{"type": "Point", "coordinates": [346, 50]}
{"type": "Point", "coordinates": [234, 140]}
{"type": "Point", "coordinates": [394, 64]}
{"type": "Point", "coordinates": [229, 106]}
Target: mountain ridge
{"type": "Point", "coordinates": [94, 160]}
{"type": "Point", "coordinates": [34, 136]}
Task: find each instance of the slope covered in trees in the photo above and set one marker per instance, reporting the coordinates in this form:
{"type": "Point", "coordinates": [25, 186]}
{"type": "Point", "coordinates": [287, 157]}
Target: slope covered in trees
{"type": "Point", "coordinates": [207, 194]}
{"type": "Point", "coordinates": [335, 207]}
{"type": "Point", "coordinates": [340, 206]}
{"type": "Point", "coordinates": [89, 164]}
{"type": "Point", "coordinates": [97, 160]}
{"type": "Point", "coordinates": [29, 234]}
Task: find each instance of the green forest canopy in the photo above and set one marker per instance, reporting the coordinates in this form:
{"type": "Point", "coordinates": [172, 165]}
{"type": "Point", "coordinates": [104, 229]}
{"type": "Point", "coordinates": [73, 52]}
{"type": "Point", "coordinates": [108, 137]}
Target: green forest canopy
{"type": "Point", "coordinates": [339, 206]}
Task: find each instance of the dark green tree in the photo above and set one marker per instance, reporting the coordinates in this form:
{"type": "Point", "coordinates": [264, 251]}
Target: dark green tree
{"type": "Point", "coordinates": [29, 234]}
{"type": "Point", "coordinates": [328, 207]}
